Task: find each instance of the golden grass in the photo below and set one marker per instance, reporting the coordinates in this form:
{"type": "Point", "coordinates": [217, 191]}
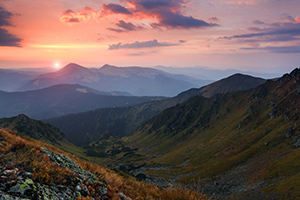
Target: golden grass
{"type": "Point", "coordinates": [115, 182]}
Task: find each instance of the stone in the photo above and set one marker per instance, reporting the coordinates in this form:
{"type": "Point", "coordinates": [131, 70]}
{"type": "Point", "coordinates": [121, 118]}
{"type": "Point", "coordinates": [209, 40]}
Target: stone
{"type": "Point", "coordinates": [296, 141]}
{"type": "Point", "coordinates": [19, 189]}
{"type": "Point", "coordinates": [123, 196]}
{"type": "Point", "coordinates": [289, 133]}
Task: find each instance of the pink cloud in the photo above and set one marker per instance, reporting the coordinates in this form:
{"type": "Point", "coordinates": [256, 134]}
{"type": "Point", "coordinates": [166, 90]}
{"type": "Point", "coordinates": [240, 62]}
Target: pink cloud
{"type": "Point", "coordinates": [70, 16]}
{"type": "Point", "coordinates": [167, 13]}
{"type": "Point", "coordinates": [213, 19]}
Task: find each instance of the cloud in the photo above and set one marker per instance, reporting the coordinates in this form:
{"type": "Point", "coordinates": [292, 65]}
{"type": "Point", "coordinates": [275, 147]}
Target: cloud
{"type": "Point", "coordinates": [70, 16]}
{"type": "Point", "coordinates": [175, 20]}
{"type": "Point", "coordinates": [143, 5]}
{"type": "Point", "coordinates": [213, 19]}
{"type": "Point", "coordinates": [243, 2]}
{"type": "Point", "coordinates": [280, 49]}
{"type": "Point", "coordinates": [258, 22]}
{"type": "Point", "coordinates": [254, 29]}
{"type": "Point", "coordinates": [166, 13]}
{"type": "Point", "coordinates": [6, 38]}
{"type": "Point", "coordinates": [276, 32]}
{"type": "Point", "coordinates": [125, 27]}
{"type": "Point", "coordinates": [73, 20]}
{"type": "Point", "coordinates": [139, 45]}
{"type": "Point", "coordinates": [274, 37]}
{"type": "Point", "coordinates": [69, 12]}
{"type": "Point", "coordinates": [289, 18]}
{"type": "Point", "coordinates": [4, 17]}
{"type": "Point", "coordinates": [112, 8]}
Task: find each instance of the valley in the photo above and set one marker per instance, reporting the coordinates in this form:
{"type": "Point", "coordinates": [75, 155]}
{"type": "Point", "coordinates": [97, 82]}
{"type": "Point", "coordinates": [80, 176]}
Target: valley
{"type": "Point", "coordinates": [149, 100]}
{"type": "Point", "coordinates": [236, 137]}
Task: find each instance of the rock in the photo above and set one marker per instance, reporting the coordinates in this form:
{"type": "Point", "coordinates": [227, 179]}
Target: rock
{"type": "Point", "coordinates": [123, 196]}
{"type": "Point", "coordinates": [27, 175]}
{"type": "Point", "coordinates": [4, 196]}
{"type": "Point", "coordinates": [66, 162]}
{"type": "Point", "coordinates": [103, 191]}
{"type": "Point", "coordinates": [289, 133]}
{"type": "Point", "coordinates": [296, 141]}
{"type": "Point", "coordinates": [16, 183]}
{"type": "Point", "coordinates": [20, 189]}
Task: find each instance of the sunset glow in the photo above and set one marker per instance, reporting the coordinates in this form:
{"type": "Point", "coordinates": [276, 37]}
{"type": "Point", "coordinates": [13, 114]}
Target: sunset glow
{"type": "Point", "coordinates": [57, 65]}
{"type": "Point", "coordinates": [225, 34]}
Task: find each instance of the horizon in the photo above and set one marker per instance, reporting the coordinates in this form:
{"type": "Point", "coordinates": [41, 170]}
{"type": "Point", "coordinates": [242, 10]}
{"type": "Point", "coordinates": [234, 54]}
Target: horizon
{"type": "Point", "coordinates": [218, 35]}
{"type": "Point", "coordinates": [169, 69]}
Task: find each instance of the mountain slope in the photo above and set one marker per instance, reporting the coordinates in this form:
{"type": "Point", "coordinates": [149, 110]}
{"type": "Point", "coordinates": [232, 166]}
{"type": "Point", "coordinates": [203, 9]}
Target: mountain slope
{"type": "Point", "coordinates": [30, 169]}
{"type": "Point", "coordinates": [33, 128]}
{"type": "Point", "coordinates": [61, 100]}
{"type": "Point", "coordinates": [242, 142]}
{"type": "Point", "coordinates": [124, 121]}
{"type": "Point", "coordinates": [138, 81]}
{"type": "Point", "coordinates": [236, 82]}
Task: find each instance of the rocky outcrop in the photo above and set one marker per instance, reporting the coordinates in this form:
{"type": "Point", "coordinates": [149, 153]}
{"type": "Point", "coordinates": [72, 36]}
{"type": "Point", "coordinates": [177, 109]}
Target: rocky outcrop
{"type": "Point", "coordinates": [19, 182]}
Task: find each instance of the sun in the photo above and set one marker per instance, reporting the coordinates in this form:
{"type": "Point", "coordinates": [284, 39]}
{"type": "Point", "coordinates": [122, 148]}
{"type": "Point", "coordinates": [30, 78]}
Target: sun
{"type": "Point", "coordinates": [56, 65]}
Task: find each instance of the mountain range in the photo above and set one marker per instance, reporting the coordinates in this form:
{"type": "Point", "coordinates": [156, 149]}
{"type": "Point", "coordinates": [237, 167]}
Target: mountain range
{"type": "Point", "coordinates": [86, 127]}
{"type": "Point", "coordinates": [206, 73]}
{"type": "Point", "coordinates": [137, 81]}
{"type": "Point", "coordinates": [244, 143]}
{"type": "Point", "coordinates": [63, 99]}
{"type": "Point", "coordinates": [236, 138]}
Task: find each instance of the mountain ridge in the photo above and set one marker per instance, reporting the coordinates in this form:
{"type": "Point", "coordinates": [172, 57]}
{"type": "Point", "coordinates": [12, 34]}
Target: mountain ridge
{"type": "Point", "coordinates": [138, 81]}
{"type": "Point", "coordinates": [62, 99]}
{"type": "Point", "coordinates": [123, 121]}
{"type": "Point", "coordinates": [244, 142]}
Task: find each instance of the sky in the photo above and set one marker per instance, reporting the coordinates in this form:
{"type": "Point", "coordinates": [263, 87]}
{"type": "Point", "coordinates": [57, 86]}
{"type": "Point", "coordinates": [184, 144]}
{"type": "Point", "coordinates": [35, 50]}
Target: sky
{"type": "Point", "coordinates": [248, 35]}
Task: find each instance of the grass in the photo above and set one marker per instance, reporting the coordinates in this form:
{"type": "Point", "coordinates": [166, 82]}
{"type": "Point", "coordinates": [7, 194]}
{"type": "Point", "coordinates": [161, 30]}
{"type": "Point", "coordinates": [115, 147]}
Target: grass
{"type": "Point", "coordinates": [235, 136]}
{"type": "Point", "coordinates": [24, 150]}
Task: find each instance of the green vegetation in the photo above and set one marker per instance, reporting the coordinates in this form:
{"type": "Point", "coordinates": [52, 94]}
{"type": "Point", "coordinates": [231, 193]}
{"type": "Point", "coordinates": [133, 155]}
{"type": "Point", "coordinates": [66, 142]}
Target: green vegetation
{"type": "Point", "coordinates": [84, 128]}
{"type": "Point", "coordinates": [205, 139]}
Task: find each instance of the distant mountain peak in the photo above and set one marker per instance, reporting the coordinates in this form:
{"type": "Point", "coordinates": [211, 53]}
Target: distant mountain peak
{"type": "Point", "coordinates": [72, 67]}
{"type": "Point", "coordinates": [107, 66]}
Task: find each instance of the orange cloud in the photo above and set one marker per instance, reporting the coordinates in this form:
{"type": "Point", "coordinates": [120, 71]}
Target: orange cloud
{"type": "Point", "coordinates": [167, 13]}
{"type": "Point", "coordinates": [69, 16]}
{"type": "Point", "coordinates": [297, 19]}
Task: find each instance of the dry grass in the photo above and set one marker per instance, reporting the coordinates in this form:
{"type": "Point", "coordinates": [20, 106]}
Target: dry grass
{"type": "Point", "coordinates": [13, 143]}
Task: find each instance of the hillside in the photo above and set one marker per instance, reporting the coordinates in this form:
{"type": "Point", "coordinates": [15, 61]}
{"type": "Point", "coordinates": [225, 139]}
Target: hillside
{"type": "Point", "coordinates": [138, 81]}
{"type": "Point", "coordinates": [33, 128]}
{"type": "Point", "coordinates": [236, 82]}
{"type": "Point", "coordinates": [86, 127]}
{"type": "Point", "coordinates": [30, 169]}
{"type": "Point", "coordinates": [61, 100]}
{"type": "Point", "coordinates": [244, 144]}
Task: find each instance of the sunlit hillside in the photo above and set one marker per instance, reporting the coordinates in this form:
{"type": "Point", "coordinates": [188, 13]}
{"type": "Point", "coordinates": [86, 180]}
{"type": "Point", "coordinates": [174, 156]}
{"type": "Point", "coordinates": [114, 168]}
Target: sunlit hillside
{"type": "Point", "coordinates": [32, 169]}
